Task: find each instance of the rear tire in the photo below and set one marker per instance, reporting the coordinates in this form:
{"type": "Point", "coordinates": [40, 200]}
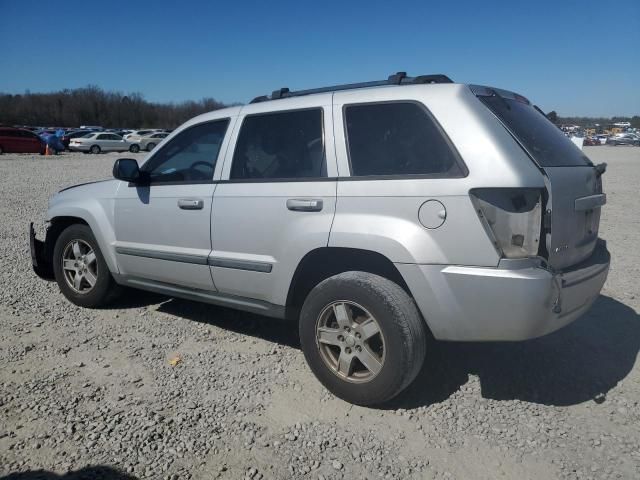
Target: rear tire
{"type": "Point", "coordinates": [336, 332]}
{"type": "Point", "coordinates": [91, 291]}
{"type": "Point", "coordinates": [95, 149]}
{"type": "Point", "coordinates": [134, 148]}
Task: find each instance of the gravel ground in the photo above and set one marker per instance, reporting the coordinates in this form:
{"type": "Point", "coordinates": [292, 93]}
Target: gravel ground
{"type": "Point", "coordinates": [90, 389]}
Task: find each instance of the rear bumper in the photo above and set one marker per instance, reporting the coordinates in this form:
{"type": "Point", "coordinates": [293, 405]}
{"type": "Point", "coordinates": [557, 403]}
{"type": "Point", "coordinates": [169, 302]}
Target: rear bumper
{"type": "Point", "coordinates": [518, 300]}
{"type": "Point", "coordinates": [41, 266]}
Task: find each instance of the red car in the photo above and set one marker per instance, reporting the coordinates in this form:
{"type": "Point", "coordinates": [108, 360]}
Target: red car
{"type": "Point", "coordinates": [19, 140]}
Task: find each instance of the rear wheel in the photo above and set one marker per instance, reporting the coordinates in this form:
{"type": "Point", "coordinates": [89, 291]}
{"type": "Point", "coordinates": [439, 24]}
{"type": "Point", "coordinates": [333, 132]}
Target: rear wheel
{"type": "Point", "coordinates": [95, 149]}
{"type": "Point", "coordinates": [134, 148]}
{"type": "Point", "coordinates": [362, 336]}
{"type": "Point", "coordinates": [80, 269]}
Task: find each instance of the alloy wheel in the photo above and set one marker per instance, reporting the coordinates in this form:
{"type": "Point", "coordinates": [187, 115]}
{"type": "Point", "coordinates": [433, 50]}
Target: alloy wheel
{"type": "Point", "coordinates": [350, 341]}
{"type": "Point", "coordinates": [80, 266]}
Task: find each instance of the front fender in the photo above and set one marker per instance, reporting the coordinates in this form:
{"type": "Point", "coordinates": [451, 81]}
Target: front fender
{"type": "Point", "coordinates": [98, 214]}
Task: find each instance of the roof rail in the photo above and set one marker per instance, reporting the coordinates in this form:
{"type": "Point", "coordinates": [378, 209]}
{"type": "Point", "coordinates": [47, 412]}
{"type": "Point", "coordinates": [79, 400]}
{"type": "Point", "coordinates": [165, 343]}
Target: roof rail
{"type": "Point", "coordinates": [399, 78]}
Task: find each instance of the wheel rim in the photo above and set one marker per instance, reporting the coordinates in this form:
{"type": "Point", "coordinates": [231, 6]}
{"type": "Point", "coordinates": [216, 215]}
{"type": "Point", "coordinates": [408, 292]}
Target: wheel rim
{"type": "Point", "coordinates": [95, 149]}
{"type": "Point", "coordinates": [350, 341]}
{"type": "Point", "coordinates": [80, 266]}
{"type": "Point", "coordinates": [151, 146]}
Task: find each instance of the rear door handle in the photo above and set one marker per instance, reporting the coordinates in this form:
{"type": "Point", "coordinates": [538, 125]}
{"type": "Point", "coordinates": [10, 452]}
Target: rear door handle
{"type": "Point", "coordinates": [304, 204]}
{"type": "Point", "coordinates": [191, 203]}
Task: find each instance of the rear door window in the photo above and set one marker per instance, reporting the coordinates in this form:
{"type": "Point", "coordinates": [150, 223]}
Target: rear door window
{"type": "Point", "coordinates": [545, 142]}
{"type": "Point", "coordinates": [280, 145]}
{"type": "Point", "coordinates": [398, 139]}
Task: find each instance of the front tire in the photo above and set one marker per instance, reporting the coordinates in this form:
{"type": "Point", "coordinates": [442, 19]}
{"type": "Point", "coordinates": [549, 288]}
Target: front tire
{"type": "Point", "coordinates": [150, 146]}
{"type": "Point", "coordinates": [363, 337]}
{"type": "Point", "coordinates": [95, 149]}
{"type": "Point", "coordinates": [80, 269]}
{"type": "Point", "coordinates": [134, 148]}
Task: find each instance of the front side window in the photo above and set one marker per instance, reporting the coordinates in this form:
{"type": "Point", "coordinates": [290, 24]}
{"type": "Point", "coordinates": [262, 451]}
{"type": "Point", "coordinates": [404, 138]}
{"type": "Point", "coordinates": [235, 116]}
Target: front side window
{"type": "Point", "coordinates": [396, 139]}
{"type": "Point", "coordinates": [190, 156]}
{"type": "Point", "coordinates": [281, 145]}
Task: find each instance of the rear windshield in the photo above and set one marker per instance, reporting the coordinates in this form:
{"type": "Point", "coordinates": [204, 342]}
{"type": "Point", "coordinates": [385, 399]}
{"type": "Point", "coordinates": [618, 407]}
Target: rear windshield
{"type": "Point", "coordinates": [545, 142]}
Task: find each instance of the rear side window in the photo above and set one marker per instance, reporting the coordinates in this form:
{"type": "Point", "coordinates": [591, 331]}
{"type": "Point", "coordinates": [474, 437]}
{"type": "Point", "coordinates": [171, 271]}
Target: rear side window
{"type": "Point", "coordinates": [396, 139]}
{"type": "Point", "coordinates": [545, 142]}
{"type": "Point", "coordinates": [281, 145]}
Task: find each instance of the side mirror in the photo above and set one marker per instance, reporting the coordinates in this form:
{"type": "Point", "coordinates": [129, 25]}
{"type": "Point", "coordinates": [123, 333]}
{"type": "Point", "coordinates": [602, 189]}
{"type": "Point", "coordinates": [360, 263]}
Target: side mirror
{"type": "Point", "coordinates": [127, 170]}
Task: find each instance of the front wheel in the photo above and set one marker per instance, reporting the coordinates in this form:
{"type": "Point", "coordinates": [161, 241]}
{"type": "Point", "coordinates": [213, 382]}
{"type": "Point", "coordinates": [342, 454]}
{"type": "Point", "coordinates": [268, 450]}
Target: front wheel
{"type": "Point", "coordinates": [80, 269]}
{"type": "Point", "coordinates": [134, 148]}
{"type": "Point", "coordinates": [150, 146]}
{"type": "Point", "coordinates": [363, 337]}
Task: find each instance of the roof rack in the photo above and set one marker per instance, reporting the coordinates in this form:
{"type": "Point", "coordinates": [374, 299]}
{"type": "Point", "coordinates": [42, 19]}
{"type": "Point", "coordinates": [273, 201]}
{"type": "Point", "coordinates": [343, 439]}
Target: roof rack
{"type": "Point", "coordinates": [399, 78]}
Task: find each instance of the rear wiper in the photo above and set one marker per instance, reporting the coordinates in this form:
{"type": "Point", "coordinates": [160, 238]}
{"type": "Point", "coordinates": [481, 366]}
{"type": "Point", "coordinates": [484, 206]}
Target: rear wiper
{"type": "Point", "coordinates": [502, 99]}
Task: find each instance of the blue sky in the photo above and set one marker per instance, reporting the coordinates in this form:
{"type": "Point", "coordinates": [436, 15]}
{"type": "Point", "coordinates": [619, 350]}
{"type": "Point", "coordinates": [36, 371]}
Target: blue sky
{"type": "Point", "coordinates": [575, 57]}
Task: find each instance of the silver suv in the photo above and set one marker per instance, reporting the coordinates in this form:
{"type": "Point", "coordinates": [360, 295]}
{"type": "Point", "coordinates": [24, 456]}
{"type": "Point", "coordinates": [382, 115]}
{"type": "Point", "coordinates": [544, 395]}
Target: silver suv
{"type": "Point", "coordinates": [376, 215]}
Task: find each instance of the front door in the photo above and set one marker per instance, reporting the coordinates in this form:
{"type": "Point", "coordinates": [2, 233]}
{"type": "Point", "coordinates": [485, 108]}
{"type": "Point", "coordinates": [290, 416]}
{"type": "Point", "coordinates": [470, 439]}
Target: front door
{"type": "Point", "coordinates": [277, 198]}
{"type": "Point", "coordinates": [163, 228]}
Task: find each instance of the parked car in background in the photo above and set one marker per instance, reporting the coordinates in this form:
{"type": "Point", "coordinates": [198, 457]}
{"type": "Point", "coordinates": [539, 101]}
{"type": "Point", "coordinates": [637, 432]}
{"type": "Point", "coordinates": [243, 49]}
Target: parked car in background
{"type": "Point", "coordinates": [71, 134]}
{"type": "Point", "coordinates": [591, 142]}
{"type": "Point", "coordinates": [602, 138]}
{"type": "Point", "coordinates": [20, 140]}
{"type": "Point", "coordinates": [149, 142]}
{"type": "Point", "coordinates": [97, 142]}
{"type": "Point", "coordinates": [624, 139]}
{"type": "Point", "coordinates": [136, 135]}
{"type": "Point", "coordinates": [91, 127]}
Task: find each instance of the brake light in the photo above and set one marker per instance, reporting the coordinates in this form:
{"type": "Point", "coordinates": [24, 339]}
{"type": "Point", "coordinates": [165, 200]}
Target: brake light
{"type": "Point", "coordinates": [512, 218]}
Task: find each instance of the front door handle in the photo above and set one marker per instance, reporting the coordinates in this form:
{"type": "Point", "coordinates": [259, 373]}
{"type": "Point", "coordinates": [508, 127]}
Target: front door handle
{"type": "Point", "coordinates": [304, 204]}
{"type": "Point", "coordinates": [191, 203]}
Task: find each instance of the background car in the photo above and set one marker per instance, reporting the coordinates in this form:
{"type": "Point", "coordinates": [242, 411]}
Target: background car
{"type": "Point", "coordinates": [624, 139]}
{"type": "Point", "coordinates": [149, 142]}
{"type": "Point", "coordinates": [591, 142]}
{"type": "Point", "coordinates": [19, 140]}
{"type": "Point", "coordinates": [97, 142]}
{"type": "Point", "coordinates": [71, 134]}
{"type": "Point", "coordinates": [136, 135]}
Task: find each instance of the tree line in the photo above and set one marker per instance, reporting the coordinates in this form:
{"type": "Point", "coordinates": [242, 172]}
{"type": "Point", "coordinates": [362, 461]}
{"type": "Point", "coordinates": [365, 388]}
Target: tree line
{"type": "Point", "coordinates": [94, 106]}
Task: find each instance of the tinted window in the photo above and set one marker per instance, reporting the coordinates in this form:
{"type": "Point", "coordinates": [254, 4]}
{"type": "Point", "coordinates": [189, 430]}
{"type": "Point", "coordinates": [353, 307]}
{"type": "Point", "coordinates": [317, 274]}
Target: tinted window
{"type": "Point", "coordinates": [542, 139]}
{"type": "Point", "coordinates": [397, 138]}
{"type": "Point", "coordinates": [280, 145]}
{"type": "Point", "coordinates": [104, 136]}
{"type": "Point", "coordinates": [190, 156]}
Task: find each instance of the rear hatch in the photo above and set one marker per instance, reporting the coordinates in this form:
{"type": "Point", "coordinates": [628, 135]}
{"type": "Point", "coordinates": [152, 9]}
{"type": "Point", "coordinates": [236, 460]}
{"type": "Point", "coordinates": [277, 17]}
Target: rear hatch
{"type": "Point", "coordinates": [574, 184]}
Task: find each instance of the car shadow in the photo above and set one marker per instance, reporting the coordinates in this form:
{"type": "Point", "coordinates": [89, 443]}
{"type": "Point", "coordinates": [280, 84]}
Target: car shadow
{"type": "Point", "coordinates": [578, 363]}
{"type": "Point", "coordinates": [88, 473]}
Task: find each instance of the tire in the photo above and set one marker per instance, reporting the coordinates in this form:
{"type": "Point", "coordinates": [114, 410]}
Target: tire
{"type": "Point", "coordinates": [134, 148]}
{"type": "Point", "coordinates": [402, 333]}
{"type": "Point", "coordinates": [150, 146]}
{"type": "Point", "coordinates": [95, 149]}
{"type": "Point", "coordinates": [1, 150]}
{"type": "Point", "coordinates": [104, 289]}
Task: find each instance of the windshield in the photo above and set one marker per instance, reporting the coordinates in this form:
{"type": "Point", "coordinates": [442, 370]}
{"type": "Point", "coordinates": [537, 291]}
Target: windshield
{"type": "Point", "coordinates": [545, 142]}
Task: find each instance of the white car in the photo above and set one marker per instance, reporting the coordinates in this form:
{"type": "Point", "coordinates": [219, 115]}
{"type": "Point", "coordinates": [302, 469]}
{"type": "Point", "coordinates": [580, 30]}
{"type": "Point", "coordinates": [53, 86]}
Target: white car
{"type": "Point", "coordinates": [97, 142]}
{"type": "Point", "coordinates": [149, 142]}
{"type": "Point", "coordinates": [136, 135]}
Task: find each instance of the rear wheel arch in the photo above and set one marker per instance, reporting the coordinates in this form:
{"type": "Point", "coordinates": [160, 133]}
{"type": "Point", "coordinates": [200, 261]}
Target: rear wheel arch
{"type": "Point", "coordinates": [325, 262]}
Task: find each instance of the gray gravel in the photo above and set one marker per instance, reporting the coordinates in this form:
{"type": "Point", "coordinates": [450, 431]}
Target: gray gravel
{"type": "Point", "coordinates": [81, 388]}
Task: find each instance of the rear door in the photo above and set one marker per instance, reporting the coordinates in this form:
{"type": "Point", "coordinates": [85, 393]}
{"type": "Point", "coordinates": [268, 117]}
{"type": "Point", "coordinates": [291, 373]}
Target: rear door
{"type": "Point", "coordinates": [277, 198]}
{"type": "Point", "coordinates": [574, 184]}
